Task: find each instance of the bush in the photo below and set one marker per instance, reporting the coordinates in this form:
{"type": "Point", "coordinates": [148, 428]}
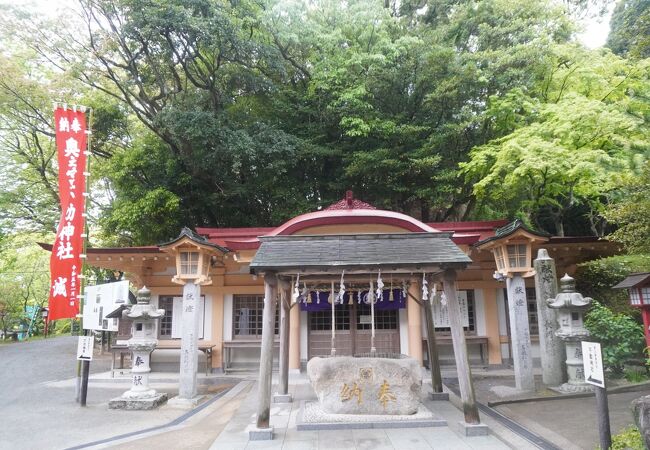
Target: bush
{"type": "Point", "coordinates": [636, 375]}
{"type": "Point", "coordinates": [596, 278]}
{"type": "Point", "coordinates": [621, 337]}
{"type": "Point", "coordinates": [628, 439]}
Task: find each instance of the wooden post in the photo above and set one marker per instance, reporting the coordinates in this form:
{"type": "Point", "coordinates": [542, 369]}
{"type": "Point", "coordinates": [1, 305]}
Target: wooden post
{"type": "Point", "coordinates": [414, 317]}
{"type": "Point", "coordinates": [604, 431]}
{"type": "Point", "coordinates": [266, 356]}
{"type": "Point", "coordinates": [434, 360]}
{"type": "Point", "coordinates": [460, 349]}
{"type": "Point", "coordinates": [373, 299]}
{"type": "Point", "coordinates": [283, 386]}
{"type": "Point", "coordinates": [333, 345]}
{"type": "Point", "coordinates": [294, 339]}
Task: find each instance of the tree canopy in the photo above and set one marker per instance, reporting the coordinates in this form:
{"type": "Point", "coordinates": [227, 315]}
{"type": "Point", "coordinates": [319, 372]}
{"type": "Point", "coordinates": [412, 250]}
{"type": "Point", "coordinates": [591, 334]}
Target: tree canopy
{"type": "Point", "coordinates": [246, 113]}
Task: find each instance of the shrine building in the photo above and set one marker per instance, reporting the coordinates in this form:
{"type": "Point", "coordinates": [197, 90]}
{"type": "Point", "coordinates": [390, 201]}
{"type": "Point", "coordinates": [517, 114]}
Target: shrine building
{"type": "Point", "coordinates": [231, 306]}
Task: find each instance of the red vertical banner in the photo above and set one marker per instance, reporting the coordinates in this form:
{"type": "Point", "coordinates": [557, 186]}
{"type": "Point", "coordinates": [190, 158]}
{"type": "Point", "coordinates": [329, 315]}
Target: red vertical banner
{"type": "Point", "coordinates": [65, 262]}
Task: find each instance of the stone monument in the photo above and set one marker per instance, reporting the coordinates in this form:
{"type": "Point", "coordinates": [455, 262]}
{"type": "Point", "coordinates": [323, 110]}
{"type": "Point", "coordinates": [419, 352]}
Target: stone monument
{"type": "Point", "coordinates": [551, 347]}
{"type": "Point", "coordinates": [366, 385]}
{"type": "Point", "coordinates": [571, 306]}
{"type": "Point", "coordinates": [141, 344]}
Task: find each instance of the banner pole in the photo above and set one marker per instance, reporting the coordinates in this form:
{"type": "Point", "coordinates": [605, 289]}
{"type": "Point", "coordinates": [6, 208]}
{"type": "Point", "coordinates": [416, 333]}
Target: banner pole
{"type": "Point", "coordinates": [82, 283]}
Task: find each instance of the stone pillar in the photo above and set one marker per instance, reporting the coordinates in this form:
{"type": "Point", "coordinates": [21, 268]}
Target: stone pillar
{"type": "Point", "coordinates": [283, 395]}
{"type": "Point", "coordinates": [414, 316]}
{"type": "Point", "coordinates": [294, 338]}
{"type": "Point", "coordinates": [520, 333]}
{"type": "Point", "coordinates": [264, 430]}
{"type": "Point", "coordinates": [472, 424]}
{"type": "Point", "coordinates": [187, 389]}
{"type": "Point", "coordinates": [551, 348]}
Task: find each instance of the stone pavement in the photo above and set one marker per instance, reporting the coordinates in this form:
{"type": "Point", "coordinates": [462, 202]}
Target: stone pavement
{"type": "Point", "coordinates": [38, 411]}
{"type": "Point", "coordinates": [286, 437]}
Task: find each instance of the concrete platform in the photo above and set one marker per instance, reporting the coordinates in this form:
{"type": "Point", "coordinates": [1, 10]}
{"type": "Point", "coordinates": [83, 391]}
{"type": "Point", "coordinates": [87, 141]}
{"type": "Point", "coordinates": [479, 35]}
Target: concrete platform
{"type": "Point", "coordinates": [133, 404]}
{"type": "Point", "coordinates": [312, 417]}
{"type": "Point", "coordinates": [286, 435]}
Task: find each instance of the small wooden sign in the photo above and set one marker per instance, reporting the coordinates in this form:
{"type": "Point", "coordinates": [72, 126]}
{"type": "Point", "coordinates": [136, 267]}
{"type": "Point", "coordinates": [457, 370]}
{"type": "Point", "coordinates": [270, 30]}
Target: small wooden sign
{"type": "Point", "coordinates": [85, 348]}
{"type": "Point", "coordinates": [592, 359]}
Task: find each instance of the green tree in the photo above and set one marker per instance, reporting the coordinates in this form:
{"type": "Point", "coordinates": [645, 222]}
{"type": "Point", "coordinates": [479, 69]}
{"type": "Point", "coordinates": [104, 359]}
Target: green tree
{"type": "Point", "coordinates": [631, 213]}
{"type": "Point", "coordinates": [568, 143]}
{"type": "Point", "coordinates": [24, 278]}
{"type": "Point", "coordinates": [402, 97]}
{"type": "Point", "coordinates": [629, 33]}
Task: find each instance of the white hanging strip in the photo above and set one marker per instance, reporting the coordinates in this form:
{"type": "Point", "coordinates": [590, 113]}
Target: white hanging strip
{"type": "Point", "coordinates": [296, 290]}
{"type": "Point", "coordinates": [341, 297]}
{"type": "Point", "coordinates": [380, 288]}
{"type": "Point", "coordinates": [425, 288]}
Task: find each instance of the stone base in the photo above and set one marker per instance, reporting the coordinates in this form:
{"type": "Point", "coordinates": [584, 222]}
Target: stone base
{"type": "Point", "coordinates": [184, 403]}
{"type": "Point", "coordinates": [439, 396]}
{"type": "Point", "coordinates": [312, 417]}
{"type": "Point", "coordinates": [568, 388]}
{"type": "Point", "coordinates": [261, 434]}
{"type": "Point", "coordinates": [474, 429]}
{"type": "Point", "coordinates": [282, 398]}
{"type": "Point", "coordinates": [138, 403]}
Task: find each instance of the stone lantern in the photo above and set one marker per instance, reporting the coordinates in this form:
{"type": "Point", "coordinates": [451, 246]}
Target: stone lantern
{"type": "Point", "coordinates": [143, 341]}
{"type": "Point", "coordinates": [638, 289]}
{"type": "Point", "coordinates": [511, 247]}
{"type": "Point", "coordinates": [195, 256]}
{"type": "Point", "coordinates": [571, 307]}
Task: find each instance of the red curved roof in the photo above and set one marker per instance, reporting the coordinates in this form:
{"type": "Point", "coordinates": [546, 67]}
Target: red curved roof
{"type": "Point", "coordinates": [351, 216]}
{"type": "Point", "coordinates": [347, 211]}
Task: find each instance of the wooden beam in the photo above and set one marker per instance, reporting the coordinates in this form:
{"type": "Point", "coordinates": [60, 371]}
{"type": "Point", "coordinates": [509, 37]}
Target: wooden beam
{"type": "Point", "coordinates": [434, 359]}
{"type": "Point", "coordinates": [470, 408]}
{"type": "Point", "coordinates": [266, 356]}
{"type": "Point", "coordinates": [283, 386]}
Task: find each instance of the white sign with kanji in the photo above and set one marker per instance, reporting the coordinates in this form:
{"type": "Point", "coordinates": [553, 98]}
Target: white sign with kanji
{"type": "Point", "coordinates": [441, 314]}
{"type": "Point", "coordinates": [102, 299]}
{"type": "Point", "coordinates": [592, 359]}
{"type": "Point", "coordinates": [85, 348]}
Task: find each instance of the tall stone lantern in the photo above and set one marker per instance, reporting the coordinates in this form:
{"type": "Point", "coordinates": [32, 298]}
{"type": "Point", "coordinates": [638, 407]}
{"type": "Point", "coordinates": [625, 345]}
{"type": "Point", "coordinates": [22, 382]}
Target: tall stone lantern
{"type": "Point", "coordinates": [511, 247]}
{"type": "Point", "coordinates": [571, 307]}
{"type": "Point", "coordinates": [143, 341]}
{"type": "Point", "coordinates": [195, 256]}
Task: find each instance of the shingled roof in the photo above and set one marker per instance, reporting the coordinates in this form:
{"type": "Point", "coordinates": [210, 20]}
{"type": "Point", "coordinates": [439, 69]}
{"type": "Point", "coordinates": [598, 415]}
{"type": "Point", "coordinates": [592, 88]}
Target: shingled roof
{"type": "Point", "coordinates": [633, 280]}
{"type": "Point", "coordinates": [358, 252]}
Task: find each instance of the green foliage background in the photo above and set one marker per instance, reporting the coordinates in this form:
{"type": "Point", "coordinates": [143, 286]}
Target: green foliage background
{"type": "Point", "coordinates": [249, 112]}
